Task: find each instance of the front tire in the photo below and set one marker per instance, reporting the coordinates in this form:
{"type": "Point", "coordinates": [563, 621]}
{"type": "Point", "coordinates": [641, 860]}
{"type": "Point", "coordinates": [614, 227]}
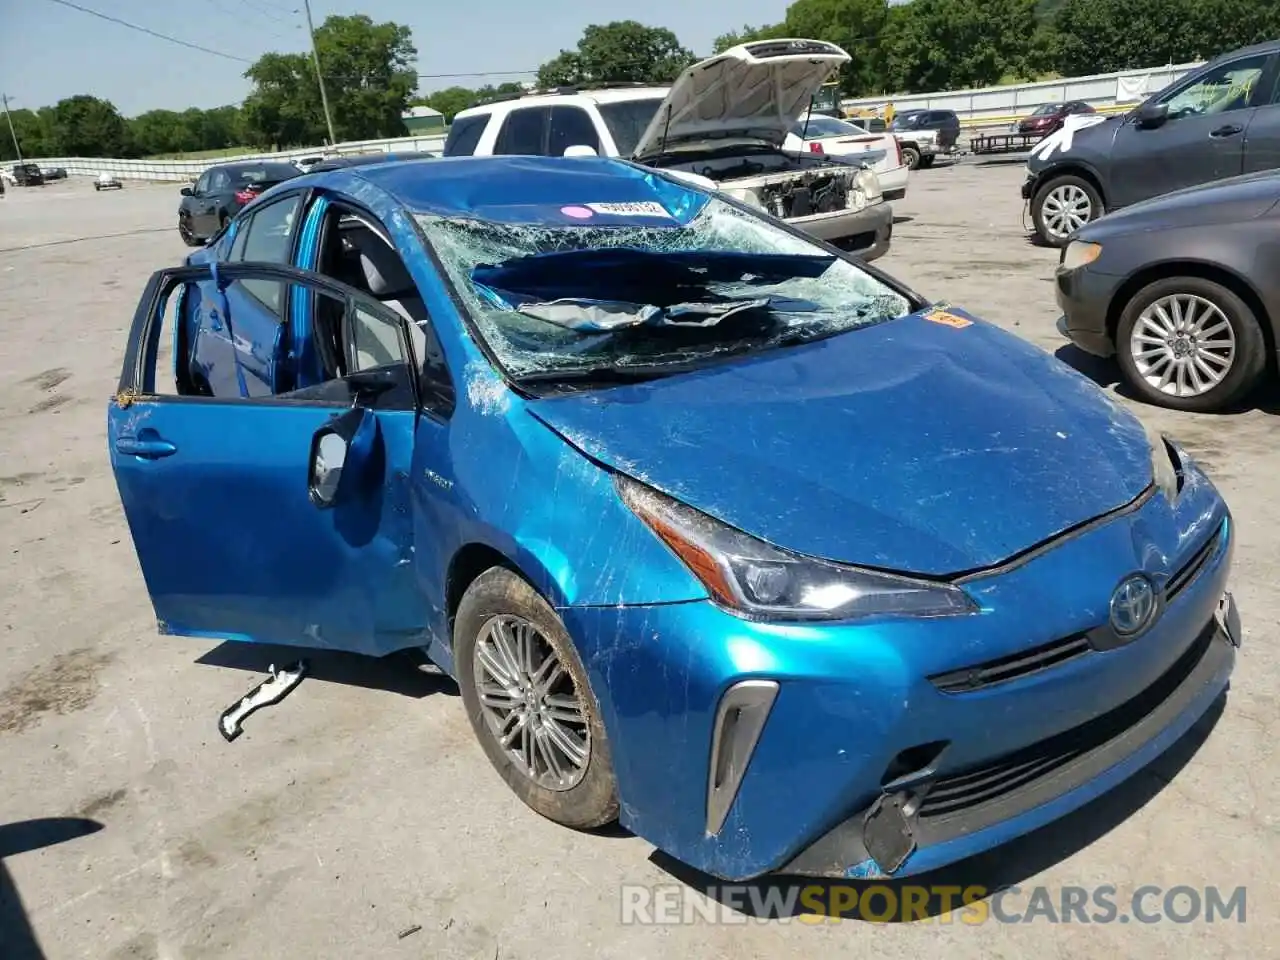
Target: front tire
{"type": "Point", "coordinates": [1062, 206]}
{"type": "Point", "coordinates": [530, 703]}
{"type": "Point", "coordinates": [184, 231]}
{"type": "Point", "coordinates": [911, 157]}
{"type": "Point", "coordinates": [1190, 344]}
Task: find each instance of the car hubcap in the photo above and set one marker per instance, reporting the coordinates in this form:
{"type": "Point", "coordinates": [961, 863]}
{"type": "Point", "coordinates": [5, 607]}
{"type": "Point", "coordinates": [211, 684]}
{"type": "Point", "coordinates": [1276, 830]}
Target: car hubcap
{"type": "Point", "coordinates": [1183, 345]}
{"type": "Point", "coordinates": [1066, 209]}
{"type": "Point", "coordinates": [530, 703]}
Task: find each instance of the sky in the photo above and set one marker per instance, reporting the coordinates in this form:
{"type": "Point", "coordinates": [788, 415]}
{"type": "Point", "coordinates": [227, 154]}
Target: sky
{"type": "Point", "coordinates": [49, 51]}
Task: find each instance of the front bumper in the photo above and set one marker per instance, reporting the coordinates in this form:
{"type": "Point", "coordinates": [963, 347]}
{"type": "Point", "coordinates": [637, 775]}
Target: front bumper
{"type": "Point", "coordinates": [867, 232]}
{"type": "Point", "coordinates": [861, 712]}
{"type": "Point", "coordinates": [1084, 296]}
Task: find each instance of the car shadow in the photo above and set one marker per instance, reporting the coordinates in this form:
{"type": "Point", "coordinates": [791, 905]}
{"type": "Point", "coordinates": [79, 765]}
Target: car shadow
{"type": "Point", "coordinates": [1003, 160]}
{"type": "Point", "coordinates": [998, 869]}
{"type": "Point", "coordinates": [403, 673]}
{"type": "Point", "coordinates": [1106, 373]}
{"type": "Point", "coordinates": [897, 220]}
{"type": "Point", "coordinates": [17, 939]}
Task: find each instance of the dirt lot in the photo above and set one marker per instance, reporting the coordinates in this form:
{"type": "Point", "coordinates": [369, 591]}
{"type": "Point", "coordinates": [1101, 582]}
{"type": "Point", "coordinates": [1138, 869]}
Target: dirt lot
{"type": "Point", "coordinates": [361, 807]}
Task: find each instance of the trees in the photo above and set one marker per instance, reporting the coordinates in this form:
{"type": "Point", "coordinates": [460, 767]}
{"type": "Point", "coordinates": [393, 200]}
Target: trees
{"type": "Point", "coordinates": [951, 44]}
{"type": "Point", "coordinates": [1097, 36]}
{"type": "Point", "coordinates": [619, 52]}
{"type": "Point", "coordinates": [369, 77]}
{"type": "Point", "coordinates": [85, 126]}
{"type": "Point", "coordinates": [451, 100]}
{"type": "Point", "coordinates": [748, 34]}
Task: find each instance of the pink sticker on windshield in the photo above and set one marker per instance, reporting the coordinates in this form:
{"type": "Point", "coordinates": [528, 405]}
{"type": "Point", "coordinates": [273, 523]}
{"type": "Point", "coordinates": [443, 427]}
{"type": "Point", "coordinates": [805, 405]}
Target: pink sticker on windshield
{"type": "Point", "coordinates": [578, 213]}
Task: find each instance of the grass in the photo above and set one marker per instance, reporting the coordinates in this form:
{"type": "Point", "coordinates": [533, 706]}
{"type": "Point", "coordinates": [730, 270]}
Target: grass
{"type": "Point", "coordinates": [206, 154]}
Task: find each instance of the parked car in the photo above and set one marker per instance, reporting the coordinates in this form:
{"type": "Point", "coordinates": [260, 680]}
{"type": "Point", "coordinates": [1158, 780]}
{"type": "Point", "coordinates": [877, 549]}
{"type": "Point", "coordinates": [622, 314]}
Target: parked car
{"type": "Point", "coordinates": [756, 655]}
{"type": "Point", "coordinates": [27, 175]}
{"type": "Point", "coordinates": [711, 124]}
{"type": "Point", "coordinates": [818, 133]}
{"type": "Point", "coordinates": [1219, 121]}
{"type": "Point", "coordinates": [305, 164]}
{"type": "Point", "coordinates": [1048, 117]}
{"type": "Point", "coordinates": [1183, 289]}
{"type": "Point", "coordinates": [107, 181]}
{"type": "Point", "coordinates": [361, 159]}
{"type": "Point", "coordinates": [54, 173]}
{"type": "Point", "coordinates": [926, 134]}
{"type": "Point", "coordinates": [221, 191]}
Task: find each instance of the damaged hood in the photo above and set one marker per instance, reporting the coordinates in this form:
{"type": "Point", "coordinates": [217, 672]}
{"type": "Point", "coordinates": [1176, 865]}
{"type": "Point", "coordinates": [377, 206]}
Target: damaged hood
{"type": "Point", "coordinates": [754, 90]}
{"type": "Point", "coordinates": [932, 446]}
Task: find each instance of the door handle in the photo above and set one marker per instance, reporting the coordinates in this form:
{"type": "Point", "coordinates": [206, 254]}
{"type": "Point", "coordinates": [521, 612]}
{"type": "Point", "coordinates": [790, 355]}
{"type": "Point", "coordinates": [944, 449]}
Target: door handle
{"type": "Point", "coordinates": [1229, 130]}
{"type": "Point", "coordinates": [152, 448]}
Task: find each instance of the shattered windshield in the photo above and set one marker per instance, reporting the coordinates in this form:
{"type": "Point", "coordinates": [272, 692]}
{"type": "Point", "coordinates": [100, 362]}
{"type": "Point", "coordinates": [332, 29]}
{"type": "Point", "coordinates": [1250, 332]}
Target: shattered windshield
{"type": "Point", "coordinates": [556, 301]}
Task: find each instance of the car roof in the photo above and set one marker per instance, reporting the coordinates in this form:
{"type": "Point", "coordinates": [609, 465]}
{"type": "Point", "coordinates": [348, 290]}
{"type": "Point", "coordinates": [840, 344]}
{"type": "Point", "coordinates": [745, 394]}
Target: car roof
{"type": "Point", "coordinates": [521, 189]}
{"type": "Point", "coordinates": [599, 95]}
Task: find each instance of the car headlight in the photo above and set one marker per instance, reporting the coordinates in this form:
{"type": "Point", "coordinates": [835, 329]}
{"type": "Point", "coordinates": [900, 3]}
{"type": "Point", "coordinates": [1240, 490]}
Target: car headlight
{"type": "Point", "coordinates": [1166, 471]}
{"type": "Point", "coordinates": [758, 581]}
{"type": "Point", "coordinates": [1078, 254]}
{"type": "Point", "coordinates": [869, 184]}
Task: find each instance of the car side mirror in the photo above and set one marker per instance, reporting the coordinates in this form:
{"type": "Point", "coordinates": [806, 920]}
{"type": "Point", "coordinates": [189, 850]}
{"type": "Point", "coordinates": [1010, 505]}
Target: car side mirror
{"type": "Point", "coordinates": [580, 150]}
{"type": "Point", "coordinates": [1151, 115]}
{"type": "Point", "coordinates": [187, 192]}
{"type": "Point", "coordinates": [339, 450]}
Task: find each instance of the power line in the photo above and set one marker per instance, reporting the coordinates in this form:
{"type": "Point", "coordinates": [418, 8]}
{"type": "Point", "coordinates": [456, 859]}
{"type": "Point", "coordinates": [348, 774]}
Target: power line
{"type": "Point", "coordinates": [153, 33]}
{"type": "Point", "coordinates": [475, 73]}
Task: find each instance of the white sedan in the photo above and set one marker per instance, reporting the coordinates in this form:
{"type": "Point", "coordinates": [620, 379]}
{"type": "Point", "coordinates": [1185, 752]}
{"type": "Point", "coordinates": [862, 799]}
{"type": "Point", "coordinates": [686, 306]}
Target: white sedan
{"type": "Point", "coordinates": [819, 133]}
{"type": "Point", "coordinates": [107, 181]}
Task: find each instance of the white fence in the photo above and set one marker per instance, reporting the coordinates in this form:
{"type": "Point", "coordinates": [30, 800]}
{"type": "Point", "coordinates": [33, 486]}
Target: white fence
{"type": "Point", "coordinates": [184, 170]}
{"type": "Point", "coordinates": [974, 107]}
{"type": "Point", "coordinates": [1002, 104]}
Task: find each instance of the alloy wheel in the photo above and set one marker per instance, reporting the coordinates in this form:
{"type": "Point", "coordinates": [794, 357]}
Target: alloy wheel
{"type": "Point", "coordinates": [1183, 345]}
{"type": "Point", "coordinates": [530, 703]}
{"type": "Point", "coordinates": [1065, 210]}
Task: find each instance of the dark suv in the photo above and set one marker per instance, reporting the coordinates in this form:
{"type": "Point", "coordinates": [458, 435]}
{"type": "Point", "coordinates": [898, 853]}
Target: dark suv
{"type": "Point", "coordinates": [27, 175]}
{"type": "Point", "coordinates": [946, 122]}
{"type": "Point", "coordinates": [1219, 121]}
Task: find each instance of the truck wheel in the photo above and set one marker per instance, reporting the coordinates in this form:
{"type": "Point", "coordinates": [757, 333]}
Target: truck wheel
{"type": "Point", "coordinates": [1190, 344]}
{"type": "Point", "coordinates": [1062, 206]}
{"type": "Point", "coordinates": [530, 703]}
{"type": "Point", "coordinates": [911, 157]}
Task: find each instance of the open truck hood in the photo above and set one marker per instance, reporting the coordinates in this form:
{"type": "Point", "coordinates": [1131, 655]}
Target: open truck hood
{"type": "Point", "coordinates": [756, 90]}
{"type": "Point", "coordinates": [911, 445]}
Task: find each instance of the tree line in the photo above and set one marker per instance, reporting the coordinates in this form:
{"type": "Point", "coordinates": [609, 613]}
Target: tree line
{"type": "Point", "coordinates": [918, 46]}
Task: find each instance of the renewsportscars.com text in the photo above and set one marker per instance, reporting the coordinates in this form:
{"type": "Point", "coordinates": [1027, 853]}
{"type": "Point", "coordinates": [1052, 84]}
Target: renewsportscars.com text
{"type": "Point", "coordinates": [675, 904]}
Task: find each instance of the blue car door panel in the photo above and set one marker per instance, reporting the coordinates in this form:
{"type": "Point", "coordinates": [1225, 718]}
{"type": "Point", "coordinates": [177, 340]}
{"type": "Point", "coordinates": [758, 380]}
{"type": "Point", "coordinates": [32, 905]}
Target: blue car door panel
{"type": "Point", "coordinates": [217, 495]}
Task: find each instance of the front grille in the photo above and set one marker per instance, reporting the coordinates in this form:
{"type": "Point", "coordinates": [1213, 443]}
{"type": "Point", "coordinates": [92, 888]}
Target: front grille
{"type": "Point", "coordinates": [1013, 667]}
{"type": "Point", "coordinates": [963, 791]}
{"type": "Point", "coordinates": [1191, 569]}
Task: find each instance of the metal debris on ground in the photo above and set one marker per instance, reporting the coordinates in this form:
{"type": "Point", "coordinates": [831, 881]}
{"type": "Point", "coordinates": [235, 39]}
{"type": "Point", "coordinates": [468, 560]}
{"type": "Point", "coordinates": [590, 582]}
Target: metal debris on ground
{"type": "Point", "coordinates": [272, 690]}
{"type": "Point", "coordinates": [408, 932]}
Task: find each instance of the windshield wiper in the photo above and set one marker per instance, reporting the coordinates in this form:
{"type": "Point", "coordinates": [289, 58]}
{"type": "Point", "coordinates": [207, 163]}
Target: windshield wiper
{"type": "Point", "coordinates": [626, 373]}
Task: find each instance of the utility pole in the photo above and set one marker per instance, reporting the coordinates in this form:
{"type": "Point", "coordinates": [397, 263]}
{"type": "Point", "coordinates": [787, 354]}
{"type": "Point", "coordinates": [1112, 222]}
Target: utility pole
{"type": "Point", "coordinates": [4, 98]}
{"type": "Point", "coordinates": [315, 55]}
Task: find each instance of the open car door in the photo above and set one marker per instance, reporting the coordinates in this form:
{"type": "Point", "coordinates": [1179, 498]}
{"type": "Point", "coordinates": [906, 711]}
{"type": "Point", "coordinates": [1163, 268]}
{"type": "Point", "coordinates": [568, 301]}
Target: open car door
{"type": "Point", "coordinates": [278, 519]}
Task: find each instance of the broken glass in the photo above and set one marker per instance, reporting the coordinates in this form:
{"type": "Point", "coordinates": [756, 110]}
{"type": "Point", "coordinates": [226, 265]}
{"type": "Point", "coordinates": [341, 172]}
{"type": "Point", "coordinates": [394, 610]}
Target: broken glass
{"type": "Point", "coordinates": [551, 298]}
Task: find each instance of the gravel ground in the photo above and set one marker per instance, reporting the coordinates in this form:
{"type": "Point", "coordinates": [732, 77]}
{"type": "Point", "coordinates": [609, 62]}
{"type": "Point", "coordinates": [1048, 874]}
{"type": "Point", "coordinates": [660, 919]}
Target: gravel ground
{"type": "Point", "coordinates": [361, 809]}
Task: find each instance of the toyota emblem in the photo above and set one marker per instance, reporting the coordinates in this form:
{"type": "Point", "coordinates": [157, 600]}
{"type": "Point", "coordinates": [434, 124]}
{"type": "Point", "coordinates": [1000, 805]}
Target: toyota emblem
{"type": "Point", "coordinates": [1133, 605]}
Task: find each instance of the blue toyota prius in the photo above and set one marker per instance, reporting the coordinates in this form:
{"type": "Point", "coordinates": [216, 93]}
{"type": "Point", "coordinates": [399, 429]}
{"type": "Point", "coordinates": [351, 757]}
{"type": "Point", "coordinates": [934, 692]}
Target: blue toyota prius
{"type": "Point", "coordinates": [721, 532]}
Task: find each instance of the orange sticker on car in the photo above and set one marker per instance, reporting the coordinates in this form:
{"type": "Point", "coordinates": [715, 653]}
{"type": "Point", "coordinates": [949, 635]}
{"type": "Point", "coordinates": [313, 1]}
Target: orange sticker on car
{"type": "Point", "coordinates": [948, 319]}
